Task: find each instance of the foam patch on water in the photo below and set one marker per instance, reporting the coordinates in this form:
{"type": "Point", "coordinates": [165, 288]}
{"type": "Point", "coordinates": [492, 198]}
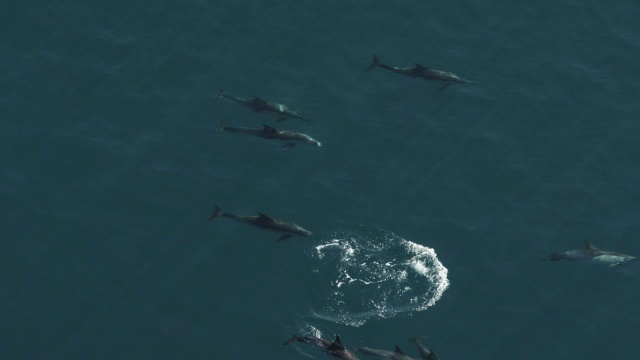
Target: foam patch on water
{"type": "Point", "coordinates": [371, 273]}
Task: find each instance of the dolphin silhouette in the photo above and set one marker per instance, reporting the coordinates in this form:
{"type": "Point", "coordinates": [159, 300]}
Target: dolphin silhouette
{"type": "Point", "coordinates": [281, 111]}
{"type": "Point", "coordinates": [421, 71]}
{"type": "Point", "coordinates": [333, 348]}
{"type": "Point", "coordinates": [590, 252]}
{"type": "Point", "coordinates": [379, 354]}
{"type": "Point", "coordinates": [265, 222]}
{"type": "Point", "coordinates": [271, 133]}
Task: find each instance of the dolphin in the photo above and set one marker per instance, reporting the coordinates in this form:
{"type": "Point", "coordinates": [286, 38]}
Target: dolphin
{"type": "Point", "coordinates": [263, 221]}
{"type": "Point", "coordinates": [333, 348]}
{"type": "Point", "coordinates": [281, 111]}
{"type": "Point", "coordinates": [590, 252]}
{"type": "Point", "coordinates": [422, 72]}
{"type": "Point", "coordinates": [397, 354]}
{"type": "Point", "coordinates": [425, 354]}
{"type": "Point", "coordinates": [271, 133]}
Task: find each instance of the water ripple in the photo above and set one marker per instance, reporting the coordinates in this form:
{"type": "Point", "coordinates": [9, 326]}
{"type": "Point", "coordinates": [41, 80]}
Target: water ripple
{"type": "Point", "coordinates": [372, 273]}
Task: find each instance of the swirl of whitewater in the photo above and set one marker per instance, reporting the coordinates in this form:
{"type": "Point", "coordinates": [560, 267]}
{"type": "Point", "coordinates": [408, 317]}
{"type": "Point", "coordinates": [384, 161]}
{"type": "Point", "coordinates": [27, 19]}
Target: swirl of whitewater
{"type": "Point", "coordinates": [377, 274]}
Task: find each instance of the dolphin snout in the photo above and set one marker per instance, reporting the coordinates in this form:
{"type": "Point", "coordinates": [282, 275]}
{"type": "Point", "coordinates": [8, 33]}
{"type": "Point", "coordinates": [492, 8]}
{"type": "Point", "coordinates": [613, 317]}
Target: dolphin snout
{"type": "Point", "coordinates": [304, 232]}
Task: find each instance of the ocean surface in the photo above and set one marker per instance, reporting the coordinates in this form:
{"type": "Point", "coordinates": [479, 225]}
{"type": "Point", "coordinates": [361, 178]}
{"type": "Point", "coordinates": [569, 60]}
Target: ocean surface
{"type": "Point", "coordinates": [430, 210]}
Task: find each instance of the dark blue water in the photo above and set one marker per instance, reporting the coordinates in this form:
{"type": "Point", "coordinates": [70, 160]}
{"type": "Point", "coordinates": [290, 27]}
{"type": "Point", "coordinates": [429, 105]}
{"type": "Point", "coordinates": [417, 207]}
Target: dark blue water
{"type": "Point", "coordinates": [431, 210]}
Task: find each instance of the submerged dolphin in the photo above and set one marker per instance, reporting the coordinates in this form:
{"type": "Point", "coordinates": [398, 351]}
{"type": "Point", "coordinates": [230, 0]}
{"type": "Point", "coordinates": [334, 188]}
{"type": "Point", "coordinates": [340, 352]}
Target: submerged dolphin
{"type": "Point", "coordinates": [379, 354]}
{"type": "Point", "coordinates": [591, 252]}
{"type": "Point", "coordinates": [425, 354]}
{"type": "Point", "coordinates": [333, 348]}
{"type": "Point", "coordinates": [271, 133]}
{"type": "Point", "coordinates": [281, 111]}
{"type": "Point", "coordinates": [263, 221]}
{"type": "Point", "coordinates": [421, 72]}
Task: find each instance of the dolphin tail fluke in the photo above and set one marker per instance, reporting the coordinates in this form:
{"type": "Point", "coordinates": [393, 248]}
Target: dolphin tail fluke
{"type": "Point", "coordinates": [374, 63]}
{"type": "Point", "coordinates": [216, 213]}
{"type": "Point", "coordinates": [293, 338]}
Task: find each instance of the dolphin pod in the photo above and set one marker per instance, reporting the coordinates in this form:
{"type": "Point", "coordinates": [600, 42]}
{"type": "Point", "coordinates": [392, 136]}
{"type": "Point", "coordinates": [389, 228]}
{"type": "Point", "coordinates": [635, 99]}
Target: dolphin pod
{"type": "Point", "coordinates": [398, 353]}
{"type": "Point", "coordinates": [289, 229]}
{"type": "Point", "coordinates": [337, 349]}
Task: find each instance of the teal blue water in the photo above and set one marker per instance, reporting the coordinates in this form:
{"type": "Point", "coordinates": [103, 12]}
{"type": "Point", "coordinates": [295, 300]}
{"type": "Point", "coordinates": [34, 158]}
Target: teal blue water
{"type": "Point", "coordinates": [431, 210]}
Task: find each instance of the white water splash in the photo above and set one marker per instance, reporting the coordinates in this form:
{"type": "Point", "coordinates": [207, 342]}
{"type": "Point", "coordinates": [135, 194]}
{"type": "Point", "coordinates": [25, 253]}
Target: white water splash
{"type": "Point", "coordinates": [376, 274]}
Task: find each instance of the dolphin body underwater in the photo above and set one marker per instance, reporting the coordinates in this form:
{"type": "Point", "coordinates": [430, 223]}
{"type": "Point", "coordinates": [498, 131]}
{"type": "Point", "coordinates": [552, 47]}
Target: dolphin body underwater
{"type": "Point", "coordinates": [288, 228]}
{"type": "Point", "coordinates": [398, 354]}
{"type": "Point", "coordinates": [281, 111]}
{"type": "Point", "coordinates": [291, 138]}
{"type": "Point", "coordinates": [590, 252]}
{"type": "Point", "coordinates": [421, 71]}
{"type": "Point", "coordinates": [332, 348]}
{"type": "Point", "coordinates": [379, 354]}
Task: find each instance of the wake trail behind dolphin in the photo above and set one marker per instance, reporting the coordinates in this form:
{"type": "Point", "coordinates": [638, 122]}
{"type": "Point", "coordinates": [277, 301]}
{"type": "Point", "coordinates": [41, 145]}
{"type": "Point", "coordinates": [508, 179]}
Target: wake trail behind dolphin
{"type": "Point", "coordinates": [371, 273]}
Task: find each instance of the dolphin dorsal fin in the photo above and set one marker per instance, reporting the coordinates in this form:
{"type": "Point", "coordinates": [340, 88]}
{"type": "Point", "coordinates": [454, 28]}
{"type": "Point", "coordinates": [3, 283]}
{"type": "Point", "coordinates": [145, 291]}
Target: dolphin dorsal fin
{"type": "Point", "coordinates": [269, 129]}
{"type": "Point", "coordinates": [590, 246]}
{"type": "Point", "coordinates": [258, 100]}
{"type": "Point", "coordinates": [264, 217]}
{"type": "Point", "coordinates": [399, 351]}
{"type": "Point", "coordinates": [338, 342]}
{"type": "Point", "coordinates": [421, 66]}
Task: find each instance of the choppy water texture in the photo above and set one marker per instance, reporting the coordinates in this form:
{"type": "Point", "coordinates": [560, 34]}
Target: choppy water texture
{"type": "Point", "coordinates": [110, 165]}
{"type": "Point", "coordinates": [377, 274]}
